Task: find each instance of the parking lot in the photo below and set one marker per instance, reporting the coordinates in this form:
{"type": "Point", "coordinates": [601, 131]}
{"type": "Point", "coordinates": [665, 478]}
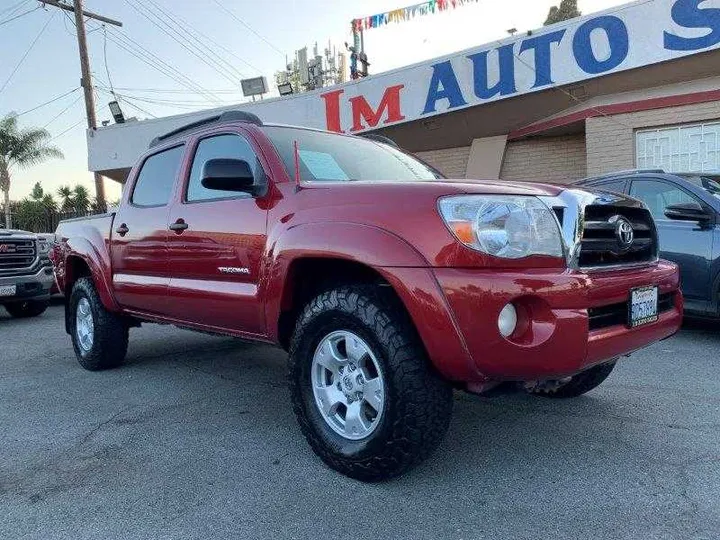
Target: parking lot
{"type": "Point", "coordinates": [195, 438]}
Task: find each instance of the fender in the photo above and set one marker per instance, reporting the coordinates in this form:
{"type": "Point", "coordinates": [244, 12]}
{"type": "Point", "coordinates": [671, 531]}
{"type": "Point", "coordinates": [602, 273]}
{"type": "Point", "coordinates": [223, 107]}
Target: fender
{"type": "Point", "coordinates": [365, 244]}
{"type": "Point", "coordinates": [97, 260]}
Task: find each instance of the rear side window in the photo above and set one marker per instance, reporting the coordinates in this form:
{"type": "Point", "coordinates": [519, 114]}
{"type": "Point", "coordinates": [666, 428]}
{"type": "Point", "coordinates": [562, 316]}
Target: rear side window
{"type": "Point", "coordinates": [157, 178]}
{"type": "Point", "coordinates": [618, 186]}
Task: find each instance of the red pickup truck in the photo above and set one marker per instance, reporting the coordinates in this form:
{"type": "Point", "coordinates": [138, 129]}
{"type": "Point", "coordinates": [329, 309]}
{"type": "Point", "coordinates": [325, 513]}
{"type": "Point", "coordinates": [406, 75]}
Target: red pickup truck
{"type": "Point", "coordinates": [388, 284]}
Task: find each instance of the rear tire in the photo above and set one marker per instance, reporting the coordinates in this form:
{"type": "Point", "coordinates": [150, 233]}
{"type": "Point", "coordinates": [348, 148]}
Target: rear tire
{"type": "Point", "coordinates": [99, 337]}
{"type": "Point", "coordinates": [28, 308]}
{"type": "Point", "coordinates": [577, 385]}
{"type": "Point", "coordinates": [404, 404]}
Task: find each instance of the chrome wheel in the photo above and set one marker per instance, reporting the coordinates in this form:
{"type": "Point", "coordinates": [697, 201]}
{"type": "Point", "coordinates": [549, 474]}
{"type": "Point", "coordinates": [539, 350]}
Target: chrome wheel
{"type": "Point", "coordinates": [348, 385]}
{"type": "Point", "coordinates": [84, 325]}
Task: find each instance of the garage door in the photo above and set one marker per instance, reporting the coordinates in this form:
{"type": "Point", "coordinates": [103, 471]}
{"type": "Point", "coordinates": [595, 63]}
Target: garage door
{"type": "Point", "coordinates": [689, 148]}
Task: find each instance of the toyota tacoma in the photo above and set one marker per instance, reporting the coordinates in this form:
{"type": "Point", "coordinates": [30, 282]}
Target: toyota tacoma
{"type": "Point", "coordinates": [388, 285]}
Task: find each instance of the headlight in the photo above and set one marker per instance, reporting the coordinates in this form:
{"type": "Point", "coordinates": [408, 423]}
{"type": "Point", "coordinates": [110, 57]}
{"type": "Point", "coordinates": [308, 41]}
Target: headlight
{"type": "Point", "coordinates": [505, 226]}
{"type": "Point", "coordinates": [43, 247]}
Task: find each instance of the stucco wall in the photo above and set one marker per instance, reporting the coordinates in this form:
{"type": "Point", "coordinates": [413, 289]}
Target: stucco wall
{"type": "Point", "coordinates": [548, 159]}
{"type": "Point", "coordinates": [611, 139]}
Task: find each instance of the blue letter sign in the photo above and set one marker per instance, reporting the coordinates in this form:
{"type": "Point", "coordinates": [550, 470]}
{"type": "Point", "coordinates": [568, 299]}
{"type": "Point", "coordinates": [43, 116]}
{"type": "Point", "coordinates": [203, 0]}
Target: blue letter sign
{"type": "Point", "coordinates": [689, 14]}
{"type": "Point", "coordinates": [617, 35]}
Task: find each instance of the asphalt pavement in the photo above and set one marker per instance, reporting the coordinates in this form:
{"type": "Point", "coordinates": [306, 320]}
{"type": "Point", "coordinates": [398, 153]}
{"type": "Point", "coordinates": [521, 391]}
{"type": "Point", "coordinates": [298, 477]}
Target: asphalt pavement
{"type": "Point", "coordinates": [195, 438]}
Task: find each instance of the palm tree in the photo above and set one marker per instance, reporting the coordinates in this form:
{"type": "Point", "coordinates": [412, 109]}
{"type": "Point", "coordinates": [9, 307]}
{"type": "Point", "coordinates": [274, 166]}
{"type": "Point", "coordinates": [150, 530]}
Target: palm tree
{"type": "Point", "coordinates": [20, 148]}
{"type": "Point", "coordinates": [66, 198]}
{"type": "Point", "coordinates": [81, 199]}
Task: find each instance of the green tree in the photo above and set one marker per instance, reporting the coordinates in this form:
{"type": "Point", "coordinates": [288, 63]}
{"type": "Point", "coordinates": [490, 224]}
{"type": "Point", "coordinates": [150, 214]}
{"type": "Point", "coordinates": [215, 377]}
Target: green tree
{"type": "Point", "coordinates": [37, 193]}
{"type": "Point", "coordinates": [66, 198]}
{"type": "Point", "coordinates": [20, 148]}
{"type": "Point", "coordinates": [81, 198]}
{"type": "Point", "coordinates": [49, 203]}
{"type": "Point", "coordinates": [568, 9]}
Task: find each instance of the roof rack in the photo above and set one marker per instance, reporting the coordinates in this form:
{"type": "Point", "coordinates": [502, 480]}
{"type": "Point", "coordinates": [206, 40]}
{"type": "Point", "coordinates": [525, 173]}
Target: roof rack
{"type": "Point", "coordinates": [227, 116]}
{"type": "Point", "coordinates": [380, 138]}
{"type": "Point", "coordinates": [628, 172]}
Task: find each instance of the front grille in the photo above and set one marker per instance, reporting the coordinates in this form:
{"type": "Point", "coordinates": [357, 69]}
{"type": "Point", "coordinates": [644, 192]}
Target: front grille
{"type": "Point", "coordinates": [600, 245]}
{"type": "Point", "coordinates": [614, 314]}
{"type": "Point", "coordinates": [16, 255]}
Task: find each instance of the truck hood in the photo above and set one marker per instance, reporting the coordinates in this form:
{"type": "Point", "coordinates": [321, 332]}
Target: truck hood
{"type": "Point", "coordinates": [16, 234]}
{"type": "Point", "coordinates": [441, 187]}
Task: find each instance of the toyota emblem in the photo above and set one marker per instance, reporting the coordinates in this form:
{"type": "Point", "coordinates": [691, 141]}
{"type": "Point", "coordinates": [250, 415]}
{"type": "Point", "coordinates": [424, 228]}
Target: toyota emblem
{"type": "Point", "coordinates": [624, 232]}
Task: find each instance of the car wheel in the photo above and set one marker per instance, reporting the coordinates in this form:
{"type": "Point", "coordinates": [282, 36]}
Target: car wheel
{"type": "Point", "coordinates": [28, 308]}
{"type": "Point", "coordinates": [574, 386]}
{"type": "Point", "coordinates": [99, 337]}
{"type": "Point", "coordinates": [365, 395]}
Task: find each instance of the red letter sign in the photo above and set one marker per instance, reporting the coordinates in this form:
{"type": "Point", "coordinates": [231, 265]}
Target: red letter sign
{"type": "Point", "coordinates": [361, 110]}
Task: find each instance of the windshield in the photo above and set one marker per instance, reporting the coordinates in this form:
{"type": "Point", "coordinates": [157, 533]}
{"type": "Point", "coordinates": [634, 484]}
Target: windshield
{"type": "Point", "coordinates": [711, 185]}
{"type": "Point", "coordinates": [329, 157]}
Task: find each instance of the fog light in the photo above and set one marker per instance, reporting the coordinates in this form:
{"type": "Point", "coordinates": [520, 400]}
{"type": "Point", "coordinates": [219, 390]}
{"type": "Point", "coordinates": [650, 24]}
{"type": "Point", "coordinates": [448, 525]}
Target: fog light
{"type": "Point", "coordinates": [507, 320]}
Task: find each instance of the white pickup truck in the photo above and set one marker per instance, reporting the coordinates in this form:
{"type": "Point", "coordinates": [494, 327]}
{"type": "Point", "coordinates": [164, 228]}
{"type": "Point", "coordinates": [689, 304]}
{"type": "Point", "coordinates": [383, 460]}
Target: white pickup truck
{"type": "Point", "coordinates": [26, 273]}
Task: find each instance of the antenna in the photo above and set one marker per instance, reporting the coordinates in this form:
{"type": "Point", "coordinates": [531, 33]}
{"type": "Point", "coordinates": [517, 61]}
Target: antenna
{"type": "Point", "coordinates": [297, 164]}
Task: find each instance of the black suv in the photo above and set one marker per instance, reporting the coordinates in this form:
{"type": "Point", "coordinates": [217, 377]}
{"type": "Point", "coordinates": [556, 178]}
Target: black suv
{"type": "Point", "coordinates": [686, 209]}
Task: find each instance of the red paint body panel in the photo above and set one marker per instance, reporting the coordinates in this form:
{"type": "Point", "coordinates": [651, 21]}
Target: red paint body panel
{"type": "Point", "coordinates": [453, 294]}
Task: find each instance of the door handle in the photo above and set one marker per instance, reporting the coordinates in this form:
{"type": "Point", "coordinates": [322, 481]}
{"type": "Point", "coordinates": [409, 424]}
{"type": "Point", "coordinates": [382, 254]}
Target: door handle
{"type": "Point", "coordinates": [122, 230]}
{"type": "Point", "coordinates": [179, 226]}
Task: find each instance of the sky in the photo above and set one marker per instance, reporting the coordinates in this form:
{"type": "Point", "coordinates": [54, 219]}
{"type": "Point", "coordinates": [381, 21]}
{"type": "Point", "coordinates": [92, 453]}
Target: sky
{"type": "Point", "coordinates": [252, 38]}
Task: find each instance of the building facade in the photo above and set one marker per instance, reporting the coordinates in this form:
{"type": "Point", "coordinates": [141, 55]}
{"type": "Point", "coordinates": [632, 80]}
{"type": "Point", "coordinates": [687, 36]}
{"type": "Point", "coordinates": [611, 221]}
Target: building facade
{"type": "Point", "coordinates": [637, 86]}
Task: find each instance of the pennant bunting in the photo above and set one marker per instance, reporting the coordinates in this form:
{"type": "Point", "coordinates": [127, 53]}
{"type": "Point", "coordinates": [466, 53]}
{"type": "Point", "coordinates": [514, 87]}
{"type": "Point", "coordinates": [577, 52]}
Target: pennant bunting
{"type": "Point", "coordinates": [407, 13]}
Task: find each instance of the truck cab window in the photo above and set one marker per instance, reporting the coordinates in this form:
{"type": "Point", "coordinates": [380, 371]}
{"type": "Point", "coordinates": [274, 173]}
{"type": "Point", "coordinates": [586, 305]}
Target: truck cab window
{"type": "Point", "coordinates": [220, 146]}
{"type": "Point", "coordinates": [157, 178]}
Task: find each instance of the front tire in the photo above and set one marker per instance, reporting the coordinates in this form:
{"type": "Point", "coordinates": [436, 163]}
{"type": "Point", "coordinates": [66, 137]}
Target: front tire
{"type": "Point", "coordinates": [365, 395]}
{"type": "Point", "coordinates": [99, 337]}
{"type": "Point", "coordinates": [576, 386]}
{"type": "Point", "coordinates": [28, 308]}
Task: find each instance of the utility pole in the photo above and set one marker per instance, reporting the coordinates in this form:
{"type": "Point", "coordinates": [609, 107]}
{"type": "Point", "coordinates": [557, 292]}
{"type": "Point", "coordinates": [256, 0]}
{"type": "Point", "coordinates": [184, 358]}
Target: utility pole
{"type": "Point", "coordinates": [86, 80]}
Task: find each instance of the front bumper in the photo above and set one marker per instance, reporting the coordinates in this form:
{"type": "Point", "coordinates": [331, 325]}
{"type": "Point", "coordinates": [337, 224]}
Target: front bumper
{"type": "Point", "coordinates": [456, 310]}
{"type": "Point", "coordinates": [34, 286]}
{"type": "Point", "coordinates": [554, 336]}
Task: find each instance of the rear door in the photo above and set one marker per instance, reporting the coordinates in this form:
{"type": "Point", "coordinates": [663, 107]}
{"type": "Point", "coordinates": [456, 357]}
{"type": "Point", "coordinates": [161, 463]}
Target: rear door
{"type": "Point", "coordinates": [215, 256]}
{"type": "Point", "coordinates": [140, 231]}
{"type": "Point", "coordinates": [687, 243]}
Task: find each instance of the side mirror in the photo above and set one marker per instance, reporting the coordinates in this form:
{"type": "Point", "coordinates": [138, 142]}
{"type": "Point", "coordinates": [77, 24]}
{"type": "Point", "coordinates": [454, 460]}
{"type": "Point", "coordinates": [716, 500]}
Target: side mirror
{"type": "Point", "coordinates": [225, 174]}
{"type": "Point", "coordinates": [688, 212]}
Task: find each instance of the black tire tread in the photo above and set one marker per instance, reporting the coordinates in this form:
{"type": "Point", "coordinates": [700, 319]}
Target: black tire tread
{"type": "Point", "coordinates": [421, 400]}
{"type": "Point", "coordinates": [110, 341]}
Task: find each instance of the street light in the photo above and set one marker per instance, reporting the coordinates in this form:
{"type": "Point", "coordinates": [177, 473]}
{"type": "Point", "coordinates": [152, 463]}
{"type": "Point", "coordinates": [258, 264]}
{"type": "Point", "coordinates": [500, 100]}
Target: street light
{"type": "Point", "coordinates": [116, 112]}
{"type": "Point", "coordinates": [285, 89]}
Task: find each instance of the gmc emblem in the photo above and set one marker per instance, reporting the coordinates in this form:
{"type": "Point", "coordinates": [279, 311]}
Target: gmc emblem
{"type": "Point", "coordinates": [7, 248]}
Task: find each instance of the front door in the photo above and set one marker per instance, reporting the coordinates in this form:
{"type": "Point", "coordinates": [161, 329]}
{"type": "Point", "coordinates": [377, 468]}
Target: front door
{"type": "Point", "coordinates": [139, 235]}
{"type": "Point", "coordinates": [686, 243]}
{"type": "Point", "coordinates": [216, 247]}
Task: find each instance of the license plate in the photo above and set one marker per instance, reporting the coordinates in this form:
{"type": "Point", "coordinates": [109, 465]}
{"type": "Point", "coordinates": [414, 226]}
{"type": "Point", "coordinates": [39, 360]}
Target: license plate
{"type": "Point", "coordinates": [643, 306]}
{"type": "Point", "coordinates": [8, 290]}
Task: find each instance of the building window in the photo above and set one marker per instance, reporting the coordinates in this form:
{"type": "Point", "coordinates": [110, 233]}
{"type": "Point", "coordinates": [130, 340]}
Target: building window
{"type": "Point", "coordinates": [689, 148]}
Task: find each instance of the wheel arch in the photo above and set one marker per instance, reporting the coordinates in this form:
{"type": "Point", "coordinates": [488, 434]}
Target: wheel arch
{"type": "Point", "coordinates": [308, 258]}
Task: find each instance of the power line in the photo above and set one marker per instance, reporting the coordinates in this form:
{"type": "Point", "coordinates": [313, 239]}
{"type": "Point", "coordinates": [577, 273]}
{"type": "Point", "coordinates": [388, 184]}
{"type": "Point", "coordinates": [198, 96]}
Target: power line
{"type": "Point", "coordinates": [186, 28]}
{"type": "Point", "coordinates": [105, 58]}
{"type": "Point", "coordinates": [58, 115]}
{"type": "Point", "coordinates": [30, 48]}
{"type": "Point", "coordinates": [9, 11]}
{"type": "Point", "coordinates": [180, 38]}
{"type": "Point", "coordinates": [133, 48]}
{"type": "Point", "coordinates": [18, 16]}
{"type": "Point", "coordinates": [185, 24]}
{"type": "Point", "coordinates": [53, 100]}
{"type": "Point", "coordinates": [246, 25]}
{"type": "Point", "coordinates": [66, 130]}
